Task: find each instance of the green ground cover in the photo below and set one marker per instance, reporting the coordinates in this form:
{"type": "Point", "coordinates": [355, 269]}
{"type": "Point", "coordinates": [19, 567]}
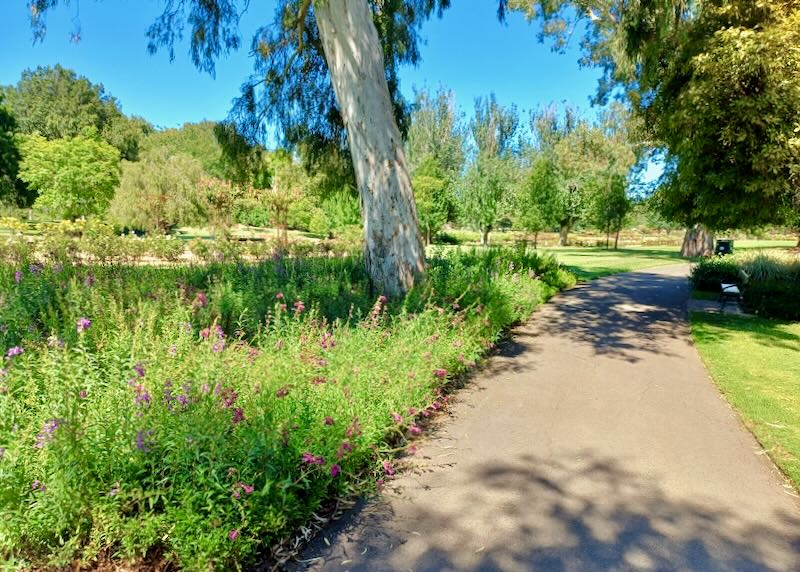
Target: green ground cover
{"type": "Point", "coordinates": [203, 413]}
{"type": "Point", "coordinates": [756, 364]}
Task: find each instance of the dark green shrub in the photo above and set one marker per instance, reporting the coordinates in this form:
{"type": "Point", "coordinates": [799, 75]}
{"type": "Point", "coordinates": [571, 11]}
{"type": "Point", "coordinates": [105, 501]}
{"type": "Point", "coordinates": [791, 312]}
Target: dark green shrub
{"type": "Point", "coordinates": [710, 272]}
{"type": "Point", "coordinates": [773, 299]}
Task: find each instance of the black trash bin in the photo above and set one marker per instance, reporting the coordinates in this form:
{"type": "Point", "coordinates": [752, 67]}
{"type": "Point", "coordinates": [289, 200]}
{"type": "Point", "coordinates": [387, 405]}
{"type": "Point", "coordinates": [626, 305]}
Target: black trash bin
{"type": "Point", "coordinates": [724, 247]}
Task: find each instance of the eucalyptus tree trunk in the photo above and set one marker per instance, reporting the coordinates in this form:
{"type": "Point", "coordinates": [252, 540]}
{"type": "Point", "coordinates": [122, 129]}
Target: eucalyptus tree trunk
{"type": "Point", "coordinates": [698, 241]}
{"type": "Point", "coordinates": [394, 253]}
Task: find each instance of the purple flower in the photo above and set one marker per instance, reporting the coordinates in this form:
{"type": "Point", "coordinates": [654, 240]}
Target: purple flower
{"type": "Point", "coordinates": [143, 440]}
{"type": "Point", "coordinates": [173, 351]}
{"type": "Point", "coordinates": [46, 434]}
{"type": "Point", "coordinates": [142, 398]}
{"type": "Point", "coordinates": [83, 324]}
{"type": "Point", "coordinates": [57, 267]}
{"type": "Point", "coordinates": [282, 392]}
{"type": "Point", "coordinates": [328, 420]}
{"type": "Point", "coordinates": [218, 346]}
{"type": "Point", "coordinates": [440, 373]}
{"type": "Point", "coordinates": [139, 369]}
{"type": "Point", "coordinates": [35, 268]}
{"type": "Point", "coordinates": [15, 351]}
{"type": "Point", "coordinates": [83, 394]}
{"type": "Point", "coordinates": [89, 280]}
{"type": "Point", "coordinates": [312, 459]}
{"type": "Point", "coordinates": [233, 534]}
{"type": "Point", "coordinates": [38, 486]}
{"type": "Point", "coordinates": [18, 276]}
{"type": "Point", "coordinates": [238, 416]}
{"type": "Point", "coordinates": [344, 448]}
{"type": "Point", "coordinates": [114, 490]}
{"type": "Point", "coordinates": [388, 468]}
{"type": "Point", "coordinates": [415, 430]}
{"type": "Point", "coordinates": [335, 470]}
{"type": "Point", "coordinates": [248, 489]}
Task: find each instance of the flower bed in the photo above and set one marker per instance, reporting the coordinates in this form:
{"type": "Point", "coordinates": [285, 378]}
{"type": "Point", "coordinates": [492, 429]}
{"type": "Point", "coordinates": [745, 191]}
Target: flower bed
{"type": "Point", "coordinates": [203, 413]}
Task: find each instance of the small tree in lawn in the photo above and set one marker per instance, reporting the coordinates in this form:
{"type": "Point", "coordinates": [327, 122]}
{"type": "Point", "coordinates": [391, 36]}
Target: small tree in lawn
{"type": "Point", "coordinates": [537, 196]}
{"type": "Point", "coordinates": [431, 193]}
{"type": "Point", "coordinates": [610, 205]}
{"type": "Point", "coordinates": [485, 189]}
{"type": "Point", "coordinates": [74, 177]}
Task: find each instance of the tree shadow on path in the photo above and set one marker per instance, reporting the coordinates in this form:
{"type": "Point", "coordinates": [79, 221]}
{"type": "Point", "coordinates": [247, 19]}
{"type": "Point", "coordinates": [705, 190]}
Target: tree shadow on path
{"type": "Point", "coordinates": [584, 513]}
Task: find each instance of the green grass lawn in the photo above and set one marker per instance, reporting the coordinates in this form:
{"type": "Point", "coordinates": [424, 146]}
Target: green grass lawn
{"type": "Point", "coordinates": [756, 364]}
{"type": "Point", "coordinates": [591, 263]}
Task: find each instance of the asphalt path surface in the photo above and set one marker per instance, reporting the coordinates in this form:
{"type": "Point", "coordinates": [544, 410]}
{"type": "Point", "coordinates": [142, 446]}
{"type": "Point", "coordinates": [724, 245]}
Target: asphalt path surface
{"type": "Point", "coordinates": [595, 440]}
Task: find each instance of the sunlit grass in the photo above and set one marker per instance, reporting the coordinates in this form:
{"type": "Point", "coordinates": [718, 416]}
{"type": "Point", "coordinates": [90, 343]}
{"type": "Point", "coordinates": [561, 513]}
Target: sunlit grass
{"type": "Point", "coordinates": [756, 365]}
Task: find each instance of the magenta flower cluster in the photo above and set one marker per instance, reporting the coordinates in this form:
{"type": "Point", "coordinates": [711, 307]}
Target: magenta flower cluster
{"type": "Point", "coordinates": [83, 324]}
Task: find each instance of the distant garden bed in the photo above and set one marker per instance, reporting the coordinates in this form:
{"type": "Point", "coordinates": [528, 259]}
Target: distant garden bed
{"type": "Point", "coordinates": [772, 288]}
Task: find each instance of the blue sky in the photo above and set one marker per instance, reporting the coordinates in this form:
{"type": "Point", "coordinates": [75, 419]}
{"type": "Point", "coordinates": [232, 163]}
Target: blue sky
{"type": "Point", "coordinates": [468, 51]}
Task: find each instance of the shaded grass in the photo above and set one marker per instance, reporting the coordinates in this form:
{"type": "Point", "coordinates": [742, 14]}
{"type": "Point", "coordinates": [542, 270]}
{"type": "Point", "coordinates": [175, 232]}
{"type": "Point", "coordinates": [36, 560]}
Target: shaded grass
{"type": "Point", "coordinates": [756, 364]}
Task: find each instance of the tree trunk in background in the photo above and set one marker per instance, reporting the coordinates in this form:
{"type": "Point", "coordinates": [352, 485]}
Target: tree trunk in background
{"type": "Point", "coordinates": [484, 237]}
{"type": "Point", "coordinates": [616, 240]}
{"type": "Point", "coordinates": [698, 241]}
{"type": "Point", "coordinates": [563, 235]}
{"type": "Point", "coordinates": [395, 255]}
{"type": "Point", "coordinates": [536, 240]}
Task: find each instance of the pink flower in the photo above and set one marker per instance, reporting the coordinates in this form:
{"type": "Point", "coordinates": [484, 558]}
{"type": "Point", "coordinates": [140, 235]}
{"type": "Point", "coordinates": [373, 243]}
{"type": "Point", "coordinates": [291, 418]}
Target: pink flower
{"type": "Point", "coordinates": [233, 534]}
{"type": "Point", "coordinates": [200, 300]}
{"type": "Point", "coordinates": [415, 430]}
{"type": "Point", "coordinates": [311, 459]}
{"type": "Point", "coordinates": [388, 468]}
{"type": "Point", "coordinates": [248, 489]}
{"type": "Point", "coordinates": [335, 470]}
{"type": "Point", "coordinates": [83, 394]}
{"type": "Point", "coordinates": [328, 420]}
{"type": "Point", "coordinates": [279, 296]}
{"type": "Point", "coordinates": [299, 307]}
{"type": "Point", "coordinates": [282, 392]}
{"type": "Point", "coordinates": [440, 373]}
{"type": "Point", "coordinates": [397, 417]}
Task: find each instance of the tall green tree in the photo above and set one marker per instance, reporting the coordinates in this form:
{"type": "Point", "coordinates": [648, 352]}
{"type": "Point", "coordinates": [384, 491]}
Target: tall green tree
{"type": "Point", "coordinates": [537, 197]}
{"type": "Point", "coordinates": [327, 75]}
{"type": "Point", "coordinates": [433, 195]}
{"type": "Point", "coordinates": [717, 86]}
{"type": "Point", "coordinates": [486, 190]}
{"type": "Point", "coordinates": [74, 176]}
{"type": "Point", "coordinates": [9, 155]}
{"type": "Point", "coordinates": [56, 103]}
{"type": "Point", "coordinates": [436, 133]}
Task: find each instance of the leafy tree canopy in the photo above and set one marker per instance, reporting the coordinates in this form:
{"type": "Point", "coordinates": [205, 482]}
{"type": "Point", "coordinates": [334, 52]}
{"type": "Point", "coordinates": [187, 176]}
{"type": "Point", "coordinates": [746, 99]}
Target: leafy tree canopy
{"type": "Point", "coordinates": [74, 176]}
{"type": "Point", "coordinates": [715, 85]}
{"type": "Point", "coordinates": [56, 103]}
{"type": "Point", "coordinates": [9, 154]}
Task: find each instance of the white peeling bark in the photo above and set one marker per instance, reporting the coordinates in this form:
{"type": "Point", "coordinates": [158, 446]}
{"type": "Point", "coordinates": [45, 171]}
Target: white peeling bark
{"type": "Point", "coordinates": [393, 247]}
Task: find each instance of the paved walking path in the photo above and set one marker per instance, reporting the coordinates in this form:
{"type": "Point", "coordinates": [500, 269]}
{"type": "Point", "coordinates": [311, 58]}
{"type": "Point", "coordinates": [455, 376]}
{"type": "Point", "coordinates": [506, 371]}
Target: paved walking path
{"type": "Point", "coordinates": [595, 441]}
